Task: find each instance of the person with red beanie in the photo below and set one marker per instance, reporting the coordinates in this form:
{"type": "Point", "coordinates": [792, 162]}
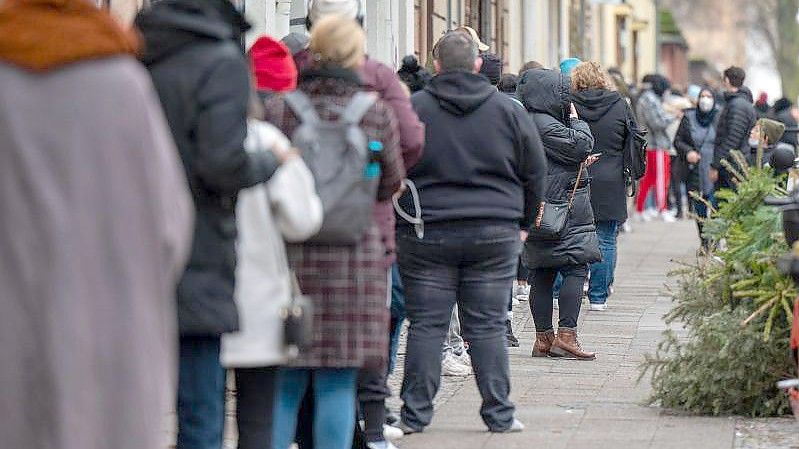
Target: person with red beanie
{"type": "Point", "coordinates": [272, 66]}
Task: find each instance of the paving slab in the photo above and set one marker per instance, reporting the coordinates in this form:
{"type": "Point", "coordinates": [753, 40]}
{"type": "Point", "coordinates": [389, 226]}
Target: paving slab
{"type": "Point", "coordinates": [594, 405]}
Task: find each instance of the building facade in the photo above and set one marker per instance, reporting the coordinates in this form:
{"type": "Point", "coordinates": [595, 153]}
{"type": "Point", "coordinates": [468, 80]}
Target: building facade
{"type": "Point", "coordinates": [616, 33]}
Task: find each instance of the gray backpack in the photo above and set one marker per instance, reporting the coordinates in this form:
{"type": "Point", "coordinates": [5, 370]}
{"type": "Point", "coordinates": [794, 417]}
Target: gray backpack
{"type": "Point", "coordinates": [338, 154]}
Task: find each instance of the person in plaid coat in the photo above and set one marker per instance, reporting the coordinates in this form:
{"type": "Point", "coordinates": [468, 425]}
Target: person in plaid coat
{"type": "Point", "coordinates": [347, 284]}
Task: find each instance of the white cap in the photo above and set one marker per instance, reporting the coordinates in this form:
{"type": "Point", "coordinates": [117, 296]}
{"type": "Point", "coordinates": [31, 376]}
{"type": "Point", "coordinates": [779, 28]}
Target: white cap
{"type": "Point", "coordinates": [318, 9]}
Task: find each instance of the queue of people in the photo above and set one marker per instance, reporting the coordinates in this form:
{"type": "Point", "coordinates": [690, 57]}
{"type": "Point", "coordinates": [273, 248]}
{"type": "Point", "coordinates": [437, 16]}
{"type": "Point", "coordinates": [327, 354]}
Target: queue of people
{"type": "Point", "coordinates": [281, 212]}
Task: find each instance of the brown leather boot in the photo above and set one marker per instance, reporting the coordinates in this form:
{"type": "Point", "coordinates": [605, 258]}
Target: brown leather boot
{"type": "Point", "coordinates": [543, 343]}
{"type": "Point", "coordinates": [566, 345]}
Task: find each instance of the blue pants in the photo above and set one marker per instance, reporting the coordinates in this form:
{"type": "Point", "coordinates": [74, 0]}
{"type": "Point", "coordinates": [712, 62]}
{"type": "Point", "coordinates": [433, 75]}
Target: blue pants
{"type": "Point", "coordinates": [201, 394]}
{"type": "Point", "coordinates": [397, 316]}
{"type": "Point", "coordinates": [602, 272]}
{"type": "Point", "coordinates": [334, 406]}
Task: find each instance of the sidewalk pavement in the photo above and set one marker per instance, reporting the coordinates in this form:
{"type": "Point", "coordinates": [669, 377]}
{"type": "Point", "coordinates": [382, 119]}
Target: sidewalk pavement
{"type": "Point", "coordinates": [600, 404]}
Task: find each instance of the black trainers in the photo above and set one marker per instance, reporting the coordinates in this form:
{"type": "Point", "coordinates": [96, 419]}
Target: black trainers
{"type": "Point", "coordinates": [512, 341]}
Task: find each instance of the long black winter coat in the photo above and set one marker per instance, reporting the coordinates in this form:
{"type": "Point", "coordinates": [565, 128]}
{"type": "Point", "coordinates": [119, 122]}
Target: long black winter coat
{"type": "Point", "coordinates": [202, 79]}
{"type": "Point", "coordinates": [606, 113]}
{"type": "Point", "coordinates": [735, 122]}
{"type": "Point", "coordinates": [567, 142]}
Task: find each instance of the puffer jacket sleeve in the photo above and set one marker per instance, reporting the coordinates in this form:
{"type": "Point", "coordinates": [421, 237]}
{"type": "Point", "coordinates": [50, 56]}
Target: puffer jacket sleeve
{"type": "Point", "coordinates": [737, 126]}
{"type": "Point", "coordinates": [566, 145]}
{"type": "Point", "coordinates": [411, 130]}
{"type": "Point", "coordinates": [221, 162]}
{"type": "Point", "coordinates": [683, 142]}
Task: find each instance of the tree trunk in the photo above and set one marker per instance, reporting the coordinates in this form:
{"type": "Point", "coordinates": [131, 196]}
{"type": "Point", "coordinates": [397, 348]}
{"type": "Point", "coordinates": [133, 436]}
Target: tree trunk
{"type": "Point", "coordinates": [788, 47]}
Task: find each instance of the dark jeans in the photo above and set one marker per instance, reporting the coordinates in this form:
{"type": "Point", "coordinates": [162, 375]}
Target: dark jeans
{"type": "Point", "coordinates": [372, 393]}
{"type": "Point", "coordinates": [397, 315]}
{"type": "Point", "coordinates": [201, 394]}
{"type": "Point", "coordinates": [569, 301]}
{"type": "Point", "coordinates": [473, 264]}
{"type": "Point", "coordinates": [701, 210]}
{"type": "Point", "coordinates": [255, 403]}
{"type": "Point", "coordinates": [602, 272]}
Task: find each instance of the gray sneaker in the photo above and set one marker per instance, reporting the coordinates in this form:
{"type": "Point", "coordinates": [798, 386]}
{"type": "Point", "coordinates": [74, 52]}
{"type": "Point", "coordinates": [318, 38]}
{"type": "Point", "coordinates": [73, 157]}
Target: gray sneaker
{"type": "Point", "coordinates": [516, 427]}
{"type": "Point", "coordinates": [381, 445]}
{"type": "Point", "coordinates": [406, 429]}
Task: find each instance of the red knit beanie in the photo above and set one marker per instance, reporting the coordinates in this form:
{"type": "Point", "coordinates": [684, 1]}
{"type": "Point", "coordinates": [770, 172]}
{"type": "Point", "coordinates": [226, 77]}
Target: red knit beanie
{"type": "Point", "coordinates": [272, 65]}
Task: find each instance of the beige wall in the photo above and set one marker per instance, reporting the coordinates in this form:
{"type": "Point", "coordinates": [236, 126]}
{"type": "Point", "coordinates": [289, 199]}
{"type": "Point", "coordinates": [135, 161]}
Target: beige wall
{"type": "Point", "coordinates": [639, 16]}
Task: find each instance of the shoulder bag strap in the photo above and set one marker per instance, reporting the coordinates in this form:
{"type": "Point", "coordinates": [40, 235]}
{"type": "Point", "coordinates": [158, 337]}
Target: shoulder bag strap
{"type": "Point", "coordinates": [576, 185]}
{"type": "Point", "coordinates": [355, 111]}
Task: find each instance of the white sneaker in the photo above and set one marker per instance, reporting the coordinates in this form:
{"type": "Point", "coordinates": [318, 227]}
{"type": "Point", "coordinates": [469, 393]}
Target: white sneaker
{"type": "Point", "coordinates": [522, 292]}
{"type": "Point", "coordinates": [391, 433]}
{"type": "Point", "coordinates": [516, 427]}
{"type": "Point", "coordinates": [515, 301]}
{"type": "Point", "coordinates": [626, 227]}
{"type": "Point", "coordinates": [668, 218]}
{"type": "Point", "coordinates": [464, 358]}
{"type": "Point", "coordinates": [642, 217]}
{"type": "Point", "coordinates": [555, 303]}
{"type": "Point", "coordinates": [381, 445]}
{"type": "Point", "coordinates": [599, 307]}
{"type": "Point", "coordinates": [452, 366]}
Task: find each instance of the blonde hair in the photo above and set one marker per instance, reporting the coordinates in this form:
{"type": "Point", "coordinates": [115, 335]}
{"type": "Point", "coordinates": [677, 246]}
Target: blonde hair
{"type": "Point", "coordinates": [590, 75]}
{"type": "Point", "coordinates": [338, 41]}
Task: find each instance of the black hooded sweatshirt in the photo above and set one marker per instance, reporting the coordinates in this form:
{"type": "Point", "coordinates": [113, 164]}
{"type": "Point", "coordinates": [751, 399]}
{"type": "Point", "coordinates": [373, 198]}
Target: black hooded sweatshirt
{"type": "Point", "coordinates": [483, 158]}
{"type": "Point", "coordinates": [201, 76]}
{"type": "Point", "coordinates": [606, 112]}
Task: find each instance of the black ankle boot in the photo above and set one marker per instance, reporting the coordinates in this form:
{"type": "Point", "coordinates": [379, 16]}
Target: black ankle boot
{"type": "Point", "coordinates": [512, 341]}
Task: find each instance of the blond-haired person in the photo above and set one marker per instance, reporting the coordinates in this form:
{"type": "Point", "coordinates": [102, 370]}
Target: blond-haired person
{"type": "Point", "coordinates": [606, 113]}
{"type": "Point", "coordinates": [346, 283]}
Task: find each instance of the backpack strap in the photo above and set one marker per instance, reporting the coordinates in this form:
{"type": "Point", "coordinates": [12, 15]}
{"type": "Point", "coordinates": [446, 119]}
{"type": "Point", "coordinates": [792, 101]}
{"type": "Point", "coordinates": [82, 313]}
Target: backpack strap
{"type": "Point", "coordinates": [360, 104]}
{"type": "Point", "coordinates": [302, 107]}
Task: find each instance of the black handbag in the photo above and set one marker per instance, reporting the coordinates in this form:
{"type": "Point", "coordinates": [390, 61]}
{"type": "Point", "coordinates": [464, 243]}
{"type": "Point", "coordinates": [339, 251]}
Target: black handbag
{"type": "Point", "coordinates": [297, 321]}
{"type": "Point", "coordinates": [552, 217]}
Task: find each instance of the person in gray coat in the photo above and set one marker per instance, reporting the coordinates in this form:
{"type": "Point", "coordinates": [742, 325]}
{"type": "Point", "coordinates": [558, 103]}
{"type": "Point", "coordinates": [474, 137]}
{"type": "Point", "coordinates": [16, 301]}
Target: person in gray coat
{"type": "Point", "coordinates": [96, 227]}
{"type": "Point", "coordinates": [568, 144]}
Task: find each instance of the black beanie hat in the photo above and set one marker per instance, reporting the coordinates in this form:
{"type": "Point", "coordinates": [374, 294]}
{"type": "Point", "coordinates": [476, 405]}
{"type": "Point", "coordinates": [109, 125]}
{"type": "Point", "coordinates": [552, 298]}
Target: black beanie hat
{"type": "Point", "coordinates": [492, 67]}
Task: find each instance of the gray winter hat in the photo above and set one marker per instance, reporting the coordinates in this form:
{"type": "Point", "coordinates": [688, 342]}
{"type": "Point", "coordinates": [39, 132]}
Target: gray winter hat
{"type": "Point", "coordinates": [318, 9]}
{"type": "Point", "coordinates": [296, 42]}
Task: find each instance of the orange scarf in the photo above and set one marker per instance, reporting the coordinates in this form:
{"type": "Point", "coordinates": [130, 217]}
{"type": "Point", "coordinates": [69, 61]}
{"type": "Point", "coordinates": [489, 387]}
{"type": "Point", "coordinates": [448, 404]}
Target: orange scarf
{"type": "Point", "coordinates": [41, 35]}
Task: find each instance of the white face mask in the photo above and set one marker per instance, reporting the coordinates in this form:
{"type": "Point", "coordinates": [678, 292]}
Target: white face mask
{"type": "Point", "coordinates": [705, 104]}
{"type": "Point", "coordinates": [753, 142]}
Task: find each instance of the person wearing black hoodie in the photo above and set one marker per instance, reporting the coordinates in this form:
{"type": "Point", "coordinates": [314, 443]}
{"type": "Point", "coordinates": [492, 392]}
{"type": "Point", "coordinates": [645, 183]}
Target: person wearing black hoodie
{"type": "Point", "coordinates": [606, 113]}
{"type": "Point", "coordinates": [568, 143]}
{"type": "Point", "coordinates": [198, 68]}
{"type": "Point", "coordinates": [482, 169]}
{"type": "Point", "coordinates": [736, 120]}
{"type": "Point", "coordinates": [781, 112]}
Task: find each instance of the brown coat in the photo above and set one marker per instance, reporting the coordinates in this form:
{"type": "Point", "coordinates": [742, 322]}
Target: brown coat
{"type": "Point", "coordinates": [95, 223]}
{"type": "Point", "coordinates": [348, 285]}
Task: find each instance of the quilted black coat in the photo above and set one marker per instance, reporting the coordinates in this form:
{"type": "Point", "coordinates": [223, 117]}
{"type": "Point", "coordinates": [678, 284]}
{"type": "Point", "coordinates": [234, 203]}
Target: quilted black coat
{"type": "Point", "coordinates": [567, 142]}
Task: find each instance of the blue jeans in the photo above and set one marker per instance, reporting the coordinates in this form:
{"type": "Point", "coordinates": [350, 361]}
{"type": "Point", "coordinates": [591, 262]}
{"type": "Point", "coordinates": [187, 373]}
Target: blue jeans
{"type": "Point", "coordinates": [397, 316]}
{"type": "Point", "coordinates": [602, 272]}
{"type": "Point", "coordinates": [334, 406]}
{"type": "Point", "coordinates": [473, 265]}
{"type": "Point", "coordinates": [201, 394]}
{"type": "Point", "coordinates": [701, 210]}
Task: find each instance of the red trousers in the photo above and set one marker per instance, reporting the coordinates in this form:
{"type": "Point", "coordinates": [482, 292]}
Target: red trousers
{"type": "Point", "coordinates": [657, 176]}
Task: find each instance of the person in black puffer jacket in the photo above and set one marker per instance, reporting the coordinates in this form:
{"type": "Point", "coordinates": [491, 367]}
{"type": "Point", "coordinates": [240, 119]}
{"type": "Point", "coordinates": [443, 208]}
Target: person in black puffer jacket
{"type": "Point", "coordinates": [203, 81]}
{"type": "Point", "coordinates": [735, 122]}
{"type": "Point", "coordinates": [568, 143]}
{"type": "Point", "coordinates": [606, 113]}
